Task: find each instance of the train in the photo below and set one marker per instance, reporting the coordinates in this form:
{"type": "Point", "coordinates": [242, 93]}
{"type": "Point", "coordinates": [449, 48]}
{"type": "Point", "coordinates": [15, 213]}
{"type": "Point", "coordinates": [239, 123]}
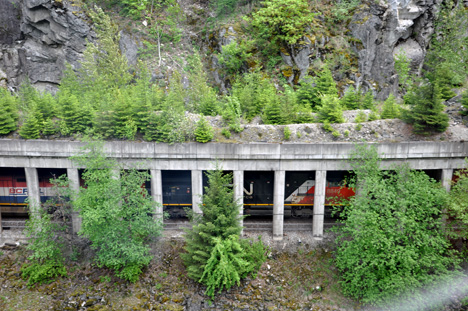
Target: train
{"type": "Point", "coordinates": [177, 191]}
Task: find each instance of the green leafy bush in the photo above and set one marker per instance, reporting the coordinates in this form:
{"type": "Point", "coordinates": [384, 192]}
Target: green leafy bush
{"type": "Point", "coordinates": [45, 272]}
{"type": "Point", "coordinates": [116, 213]}
{"type": "Point", "coordinates": [391, 241]}
{"type": "Point", "coordinates": [226, 265]}
{"type": "Point", "coordinates": [283, 21]}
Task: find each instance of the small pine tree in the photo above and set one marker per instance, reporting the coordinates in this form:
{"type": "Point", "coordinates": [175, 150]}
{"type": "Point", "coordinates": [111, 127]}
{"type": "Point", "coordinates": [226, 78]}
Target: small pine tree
{"type": "Point", "coordinates": [325, 85]}
{"type": "Point", "coordinates": [390, 109]}
{"type": "Point", "coordinates": [232, 113]}
{"type": "Point", "coordinates": [220, 220]}
{"type": "Point", "coordinates": [70, 111]}
{"type": "Point", "coordinates": [49, 128]}
{"type": "Point", "coordinates": [427, 113]}
{"type": "Point", "coordinates": [204, 131]}
{"type": "Point", "coordinates": [464, 102]}
{"type": "Point", "coordinates": [272, 113]}
{"type": "Point", "coordinates": [350, 99]}
{"type": "Point", "coordinates": [8, 112]}
{"type": "Point", "coordinates": [152, 129]}
{"type": "Point", "coordinates": [306, 95]}
{"type": "Point", "coordinates": [331, 110]}
{"type": "Point", "coordinates": [368, 101]}
{"type": "Point", "coordinates": [31, 128]}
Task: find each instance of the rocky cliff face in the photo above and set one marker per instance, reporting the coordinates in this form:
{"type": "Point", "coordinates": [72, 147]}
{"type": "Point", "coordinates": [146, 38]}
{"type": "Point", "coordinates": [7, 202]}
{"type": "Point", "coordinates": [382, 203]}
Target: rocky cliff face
{"type": "Point", "coordinates": [41, 36]}
{"type": "Point", "coordinates": [385, 31]}
{"type": "Point", "coordinates": [47, 35]}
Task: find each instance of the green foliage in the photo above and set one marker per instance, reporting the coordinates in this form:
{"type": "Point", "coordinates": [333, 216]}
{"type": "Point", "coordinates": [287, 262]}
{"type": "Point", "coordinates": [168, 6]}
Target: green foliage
{"type": "Point", "coordinates": [50, 128]}
{"type": "Point", "coordinates": [234, 57]}
{"type": "Point", "coordinates": [331, 110]}
{"type": "Point", "coordinates": [283, 21]}
{"type": "Point", "coordinates": [31, 128]}
{"type": "Point", "coordinates": [225, 7]}
{"type": "Point", "coordinates": [201, 97]}
{"type": "Point", "coordinates": [8, 112]}
{"type": "Point", "coordinates": [368, 101]}
{"type": "Point", "coordinates": [215, 256]}
{"type": "Point", "coordinates": [225, 266]}
{"type": "Point", "coordinates": [324, 85]}
{"type": "Point", "coordinates": [457, 204]}
{"type": "Point", "coordinates": [226, 133]}
{"type": "Point", "coordinates": [373, 116]}
{"type": "Point", "coordinates": [327, 127]}
{"type": "Point", "coordinates": [447, 59]}
{"type": "Point", "coordinates": [46, 272]}
{"type": "Point", "coordinates": [254, 92]}
{"type": "Point", "coordinates": [390, 109]}
{"type": "Point", "coordinates": [402, 67]}
{"type": "Point", "coordinates": [45, 232]}
{"type": "Point", "coordinates": [232, 114]}
{"type": "Point", "coordinates": [272, 113]}
{"type": "Point", "coordinates": [464, 102]}
{"type": "Point", "coordinates": [351, 99]}
{"type": "Point", "coordinates": [104, 66]}
{"type": "Point", "coordinates": [116, 213]}
{"type": "Point", "coordinates": [342, 11]}
{"type": "Point", "coordinates": [391, 242]}
{"type": "Point", "coordinates": [427, 112]}
{"type": "Point", "coordinates": [286, 133]}
{"type": "Point", "coordinates": [361, 117]}
{"type": "Point", "coordinates": [204, 131]}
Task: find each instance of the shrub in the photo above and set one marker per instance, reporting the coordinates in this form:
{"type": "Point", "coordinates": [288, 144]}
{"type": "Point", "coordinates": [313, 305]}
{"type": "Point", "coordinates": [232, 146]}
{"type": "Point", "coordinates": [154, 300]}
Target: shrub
{"type": "Point", "coordinates": [391, 241]}
{"type": "Point", "coordinates": [116, 213]}
{"type": "Point", "coordinates": [391, 109]}
{"type": "Point", "coordinates": [226, 133]}
{"type": "Point", "coordinates": [286, 133]}
{"type": "Point", "coordinates": [331, 110]}
{"type": "Point", "coordinates": [204, 131]}
{"type": "Point", "coordinates": [215, 256]}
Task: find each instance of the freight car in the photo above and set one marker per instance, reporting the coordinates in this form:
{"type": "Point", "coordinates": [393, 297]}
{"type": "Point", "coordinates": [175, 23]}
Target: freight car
{"type": "Point", "coordinates": [299, 193]}
{"type": "Point", "coordinates": [14, 190]}
{"type": "Point", "coordinates": [177, 192]}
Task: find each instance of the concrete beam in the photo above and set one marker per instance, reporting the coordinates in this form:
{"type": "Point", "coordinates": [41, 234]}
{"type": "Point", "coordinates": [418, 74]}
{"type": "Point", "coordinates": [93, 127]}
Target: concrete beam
{"type": "Point", "coordinates": [278, 205]}
{"type": "Point", "coordinates": [319, 204]}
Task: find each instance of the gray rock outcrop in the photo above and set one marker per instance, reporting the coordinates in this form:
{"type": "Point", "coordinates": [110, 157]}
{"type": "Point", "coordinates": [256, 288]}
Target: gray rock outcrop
{"type": "Point", "coordinates": [53, 33]}
{"type": "Point", "coordinates": [384, 32]}
{"type": "Point", "coordinates": [41, 37]}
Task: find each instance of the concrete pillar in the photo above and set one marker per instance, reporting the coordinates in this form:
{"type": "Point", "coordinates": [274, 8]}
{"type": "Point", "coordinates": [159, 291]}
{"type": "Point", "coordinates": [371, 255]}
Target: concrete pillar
{"type": "Point", "coordinates": [74, 179]}
{"type": "Point", "coordinates": [319, 204]}
{"type": "Point", "coordinates": [278, 205]}
{"type": "Point", "coordinates": [156, 193]}
{"type": "Point", "coordinates": [34, 196]}
{"type": "Point", "coordinates": [197, 191]}
{"type": "Point", "coordinates": [446, 179]}
{"type": "Point", "coordinates": [239, 195]}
